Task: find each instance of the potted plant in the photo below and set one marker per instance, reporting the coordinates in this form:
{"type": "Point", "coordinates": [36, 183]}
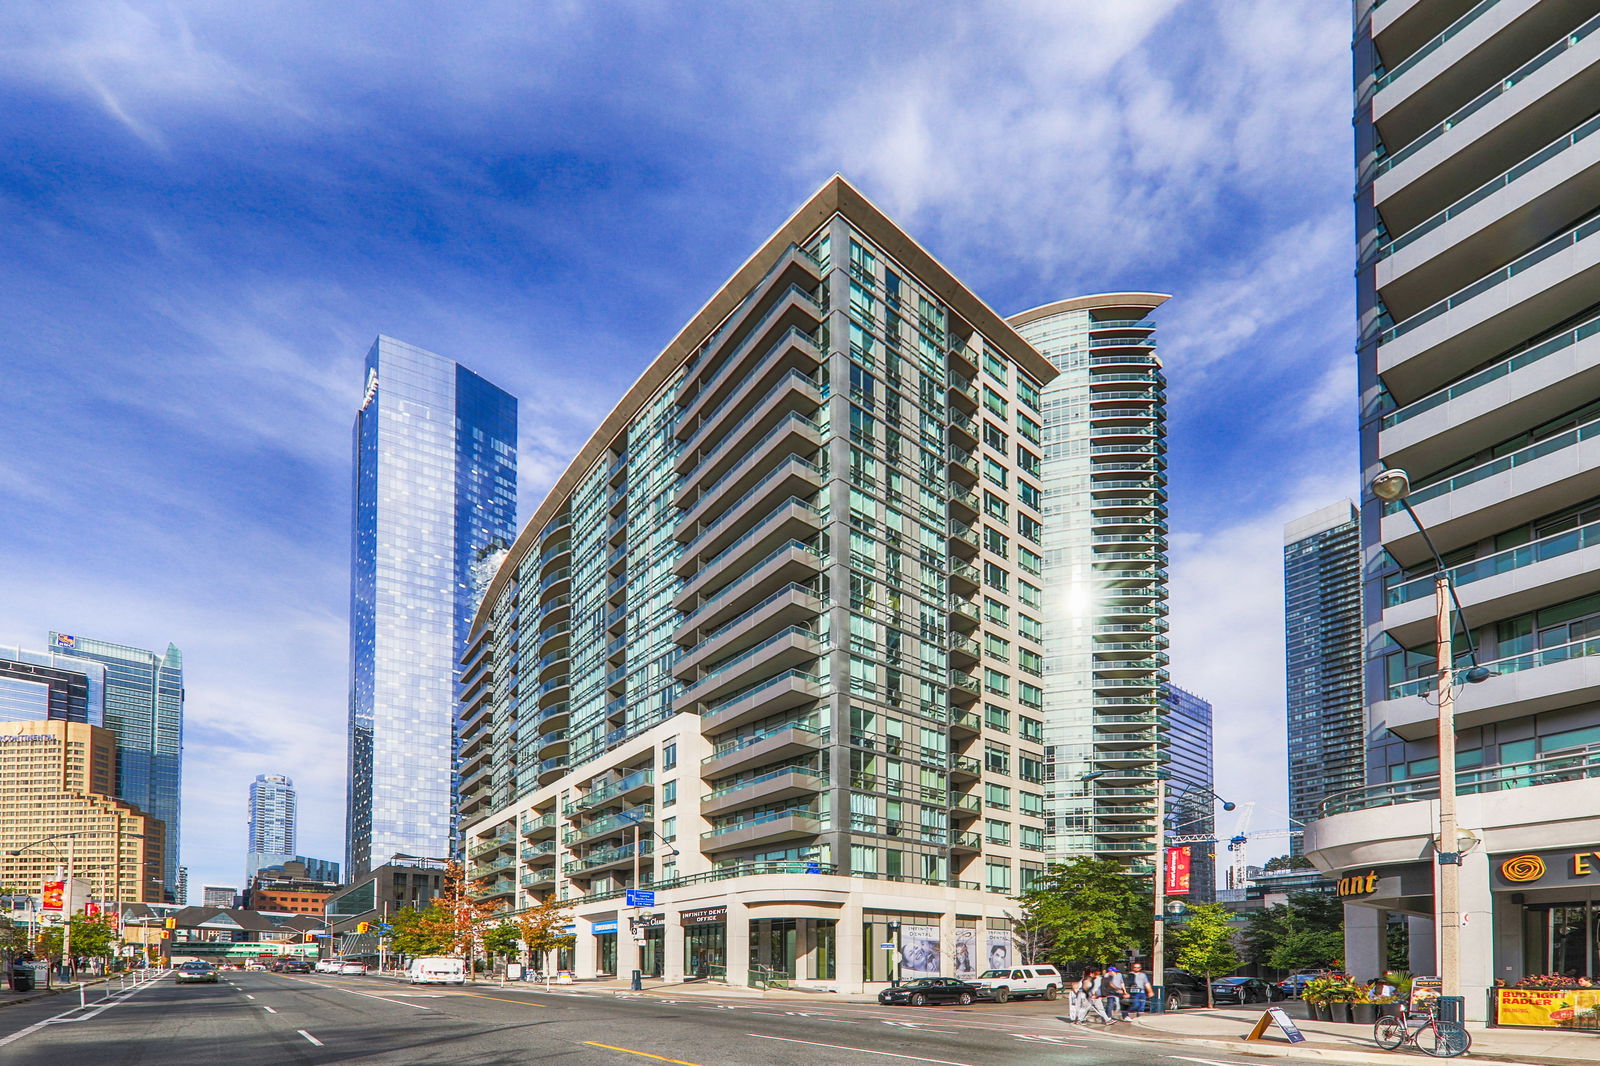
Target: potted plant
{"type": "Point", "coordinates": [1315, 995]}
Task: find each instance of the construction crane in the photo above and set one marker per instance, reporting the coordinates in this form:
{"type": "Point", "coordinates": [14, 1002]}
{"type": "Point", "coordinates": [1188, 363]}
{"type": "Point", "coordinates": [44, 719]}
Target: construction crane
{"type": "Point", "coordinates": [1237, 876]}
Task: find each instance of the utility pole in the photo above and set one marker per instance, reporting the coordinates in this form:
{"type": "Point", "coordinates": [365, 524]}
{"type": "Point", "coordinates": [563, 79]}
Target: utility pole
{"type": "Point", "coordinates": [1449, 909]}
{"type": "Point", "coordinates": [66, 932]}
{"type": "Point", "coordinates": [1158, 940]}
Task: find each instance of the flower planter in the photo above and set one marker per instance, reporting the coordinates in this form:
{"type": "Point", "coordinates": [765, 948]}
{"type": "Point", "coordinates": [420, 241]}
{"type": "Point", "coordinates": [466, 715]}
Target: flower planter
{"type": "Point", "coordinates": [1340, 1010]}
{"type": "Point", "coordinates": [1364, 1013]}
{"type": "Point", "coordinates": [1317, 1011]}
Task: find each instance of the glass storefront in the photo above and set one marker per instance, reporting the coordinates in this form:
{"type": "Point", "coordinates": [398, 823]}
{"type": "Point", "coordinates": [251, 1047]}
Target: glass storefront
{"type": "Point", "coordinates": [705, 942]}
{"type": "Point", "coordinates": [1562, 938]}
{"type": "Point", "coordinates": [605, 948]}
{"type": "Point", "coordinates": [653, 952]}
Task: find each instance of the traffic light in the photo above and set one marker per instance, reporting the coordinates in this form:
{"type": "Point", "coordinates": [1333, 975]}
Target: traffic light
{"type": "Point", "coordinates": [362, 927]}
{"type": "Point", "coordinates": [172, 923]}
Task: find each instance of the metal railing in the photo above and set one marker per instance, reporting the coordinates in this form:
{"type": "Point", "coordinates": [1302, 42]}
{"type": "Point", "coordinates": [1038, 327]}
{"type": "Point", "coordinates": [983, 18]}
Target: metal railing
{"type": "Point", "coordinates": [1579, 764]}
{"type": "Point", "coordinates": [1511, 664]}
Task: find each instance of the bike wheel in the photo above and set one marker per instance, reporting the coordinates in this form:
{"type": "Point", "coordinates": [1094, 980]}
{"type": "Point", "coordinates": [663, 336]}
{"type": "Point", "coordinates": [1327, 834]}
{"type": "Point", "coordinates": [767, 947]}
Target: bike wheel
{"type": "Point", "coordinates": [1389, 1032]}
{"type": "Point", "coordinates": [1444, 1040]}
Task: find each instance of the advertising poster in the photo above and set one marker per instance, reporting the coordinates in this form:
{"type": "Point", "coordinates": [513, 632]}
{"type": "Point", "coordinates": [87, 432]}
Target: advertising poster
{"type": "Point", "coordinates": [999, 949]}
{"type": "Point", "coordinates": [966, 962]}
{"type": "Point", "coordinates": [1557, 1008]}
{"type": "Point", "coordinates": [54, 896]}
{"type": "Point", "coordinates": [919, 951]}
{"type": "Point", "coordinates": [1178, 871]}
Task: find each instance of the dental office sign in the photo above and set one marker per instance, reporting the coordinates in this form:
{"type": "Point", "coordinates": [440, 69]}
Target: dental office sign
{"type": "Point", "coordinates": [1546, 869]}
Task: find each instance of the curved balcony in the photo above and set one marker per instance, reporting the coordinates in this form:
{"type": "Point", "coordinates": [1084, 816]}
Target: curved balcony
{"type": "Point", "coordinates": [551, 769]}
{"type": "Point", "coordinates": [552, 744]}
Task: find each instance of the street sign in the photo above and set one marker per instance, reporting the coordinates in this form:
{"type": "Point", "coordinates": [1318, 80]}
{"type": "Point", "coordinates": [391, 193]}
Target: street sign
{"type": "Point", "coordinates": [641, 897]}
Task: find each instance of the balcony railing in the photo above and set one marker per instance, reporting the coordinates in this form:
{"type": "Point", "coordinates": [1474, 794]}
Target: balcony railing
{"type": "Point", "coordinates": [1511, 664]}
{"type": "Point", "coordinates": [725, 873]}
{"type": "Point", "coordinates": [761, 819]}
{"type": "Point", "coordinates": [1578, 764]}
{"type": "Point", "coordinates": [1432, 46]}
{"type": "Point", "coordinates": [1551, 547]}
{"type": "Point", "coordinates": [597, 796]}
{"type": "Point", "coordinates": [1523, 357]}
{"type": "Point", "coordinates": [1520, 457]}
{"type": "Point", "coordinates": [1578, 233]}
{"type": "Point", "coordinates": [1504, 85]}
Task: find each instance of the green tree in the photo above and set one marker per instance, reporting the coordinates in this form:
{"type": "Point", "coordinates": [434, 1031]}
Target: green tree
{"type": "Point", "coordinates": [1204, 943]}
{"type": "Point", "coordinates": [543, 929]}
{"type": "Point", "coordinates": [1087, 910]}
{"type": "Point", "coordinates": [1287, 862]}
{"type": "Point", "coordinates": [1306, 932]}
{"type": "Point", "coordinates": [502, 939]}
{"type": "Point", "coordinates": [93, 936]}
{"type": "Point", "coordinates": [417, 932]}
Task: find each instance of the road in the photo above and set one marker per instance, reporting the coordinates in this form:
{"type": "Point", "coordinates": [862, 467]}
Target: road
{"type": "Point", "coordinates": [262, 1019]}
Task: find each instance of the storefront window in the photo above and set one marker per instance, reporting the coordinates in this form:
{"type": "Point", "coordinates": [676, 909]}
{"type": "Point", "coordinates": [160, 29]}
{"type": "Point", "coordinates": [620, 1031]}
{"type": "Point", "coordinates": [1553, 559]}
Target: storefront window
{"type": "Point", "coordinates": [606, 953]}
{"type": "Point", "coordinates": [705, 949]}
{"type": "Point", "coordinates": [653, 954]}
{"type": "Point", "coordinates": [1569, 941]}
{"type": "Point", "coordinates": [823, 959]}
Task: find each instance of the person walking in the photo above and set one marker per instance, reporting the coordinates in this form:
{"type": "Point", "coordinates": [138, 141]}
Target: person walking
{"type": "Point", "coordinates": [1078, 1000]}
{"type": "Point", "coordinates": [1092, 994]}
{"type": "Point", "coordinates": [1116, 990]}
{"type": "Point", "coordinates": [1139, 989]}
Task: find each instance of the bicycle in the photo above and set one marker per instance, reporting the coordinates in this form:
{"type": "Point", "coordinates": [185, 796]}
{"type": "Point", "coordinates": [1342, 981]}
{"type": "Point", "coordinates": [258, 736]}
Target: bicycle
{"type": "Point", "coordinates": [1422, 1030]}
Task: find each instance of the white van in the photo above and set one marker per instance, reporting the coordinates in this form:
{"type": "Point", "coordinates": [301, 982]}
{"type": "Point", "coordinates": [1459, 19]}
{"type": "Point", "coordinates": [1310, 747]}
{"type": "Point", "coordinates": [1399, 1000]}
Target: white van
{"type": "Point", "coordinates": [437, 970]}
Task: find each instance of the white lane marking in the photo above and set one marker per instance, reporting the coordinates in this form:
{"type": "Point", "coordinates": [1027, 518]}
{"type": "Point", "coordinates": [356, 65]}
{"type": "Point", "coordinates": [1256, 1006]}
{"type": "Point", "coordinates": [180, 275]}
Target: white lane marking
{"type": "Point", "coordinates": [269, 1010]}
{"type": "Point", "coordinates": [921, 1027]}
{"type": "Point", "coordinates": [370, 995]}
{"type": "Point", "coordinates": [62, 1017]}
{"type": "Point", "coordinates": [1207, 1062]}
{"type": "Point", "coordinates": [309, 1037]}
{"type": "Point", "coordinates": [1044, 1038]}
{"type": "Point", "coordinates": [248, 996]}
{"type": "Point", "coordinates": [861, 1050]}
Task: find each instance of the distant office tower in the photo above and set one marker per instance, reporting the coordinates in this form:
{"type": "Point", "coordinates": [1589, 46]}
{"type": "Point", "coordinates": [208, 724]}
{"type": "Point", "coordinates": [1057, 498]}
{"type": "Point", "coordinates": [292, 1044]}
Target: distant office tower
{"type": "Point", "coordinates": [218, 896]}
{"type": "Point", "coordinates": [144, 708]}
{"type": "Point", "coordinates": [54, 774]}
{"type": "Point", "coordinates": [1322, 645]}
{"type": "Point", "coordinates": [1104, 564]}
{"type": "Point", "coordinates": [180, 894]}
{"type": "Point", "coordinates": [266, 862]}
{"type": "Point", "coordinates": [435, 494]}
{"type": "Point", "coordinates": [272, 814]}
{"type": "Point", "coordinates": [1191, 806]}
{"type": "Point", "coordinates": [48, 684]}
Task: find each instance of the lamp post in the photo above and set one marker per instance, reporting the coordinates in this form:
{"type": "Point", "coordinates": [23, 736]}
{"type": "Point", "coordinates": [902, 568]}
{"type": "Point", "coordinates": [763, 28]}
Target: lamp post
{"type": "Point", "coordinates": [1393, 486]}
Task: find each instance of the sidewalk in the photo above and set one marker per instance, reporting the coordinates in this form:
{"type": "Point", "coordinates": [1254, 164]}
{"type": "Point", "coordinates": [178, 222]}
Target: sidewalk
{"type": "Point", "coordinates": [9, 998]}
{"type": "Point", "coordinates": [654, 986]}
{"type": "Point", "coordinates": [1227, 1027]}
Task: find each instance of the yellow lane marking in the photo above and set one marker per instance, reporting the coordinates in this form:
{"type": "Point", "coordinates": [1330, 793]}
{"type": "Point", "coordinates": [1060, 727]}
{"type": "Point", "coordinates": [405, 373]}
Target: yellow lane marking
{"type": "Point", "coordinates": [498, 999]}
{"type": "Point", "coordinates": [646, 1054]}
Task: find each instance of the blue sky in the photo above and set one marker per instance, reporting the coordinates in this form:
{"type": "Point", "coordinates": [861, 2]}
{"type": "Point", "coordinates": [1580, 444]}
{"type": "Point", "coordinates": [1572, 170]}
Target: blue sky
{"type": "Point", "coordinates": [208, 210]}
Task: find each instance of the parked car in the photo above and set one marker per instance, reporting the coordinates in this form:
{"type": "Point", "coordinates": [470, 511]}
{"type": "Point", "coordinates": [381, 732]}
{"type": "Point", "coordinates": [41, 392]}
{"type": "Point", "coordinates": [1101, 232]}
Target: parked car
{"type": "Point", "coordinates": [327, 966]}
{"type": "Point", "coordinates": [352, 968]}
{"type": "Point", "coordinates": [926, 990]}
{"type": "Point", "coordinates": [197, 973]}
{"type": "Point", "coordinates": [296, 966]}
{"type": "Point", "coordinates": [1183, 989]}
{"type": "Point", "coordinates": [1242, 990]}
{"type": "Point", "coordinates": [437, 970]}
{"type": "Point", "coordinates": [1292, 986]}
{"type": "Point", "coordinates": [1019, 982]}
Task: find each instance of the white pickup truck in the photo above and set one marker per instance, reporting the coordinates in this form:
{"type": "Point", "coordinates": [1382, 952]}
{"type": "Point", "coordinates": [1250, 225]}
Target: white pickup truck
{"type": "Point", "coordinates": [1017, 982]}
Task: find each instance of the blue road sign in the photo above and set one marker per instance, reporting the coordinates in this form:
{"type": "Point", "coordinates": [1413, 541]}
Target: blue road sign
{"type": "Point", "coordinates": [641, 897]}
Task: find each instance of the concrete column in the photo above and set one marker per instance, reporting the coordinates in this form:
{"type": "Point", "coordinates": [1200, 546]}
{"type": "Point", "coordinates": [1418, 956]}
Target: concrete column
{"type": "Point", "coordinates": [628, 952]}
{"type": "Point", "coordinates": [1477, 934]}
{"type": "Point", "coordinates": [848, 943]}
{"type": "Point", "coordinates": [672, 965]}
{"type": "Point", "coordinates": [1365, 941]}
{"type": "Point", "coordinates": [586, 951]}
{"type": "Point", "coordinates": [1423, 957]}
{"type": "Point", "coordinates": [738, 943]}
{"type": "Point", "coordinates": [805, 948]}
{"type": "Point", "coordinates": [947, 942]}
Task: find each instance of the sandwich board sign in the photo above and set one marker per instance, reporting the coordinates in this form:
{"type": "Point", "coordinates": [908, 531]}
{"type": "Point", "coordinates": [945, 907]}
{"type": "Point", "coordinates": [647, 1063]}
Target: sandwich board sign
{"type": "Point", "coordinates": [1285, 1024]}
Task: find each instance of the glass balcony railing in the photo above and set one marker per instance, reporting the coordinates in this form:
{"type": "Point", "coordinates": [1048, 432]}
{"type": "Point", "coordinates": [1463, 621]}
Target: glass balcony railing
{"type": "Point", "coordinates": [1573, 236]}
{"type": "Point", "coordinates": [757, 737]}
{"type": "Point", "coordinates": [1520, 457]}
{"type": "Point", "coordinates": [761, 819]}
{"type": "Point", "coordinates": [597, 796]}
{"type": "Point", "coordinates": [784, 425]}
{"type": "Point", "coordinates": [1577, 764]}
{"type": "Point", "coordinates": [1432, 46]}
{"type": "Point", "coordinates": [1488, 96]}
{"type": "Point", "coordinates": [740, 619]}
{"type": "Point", "coordinates": [1511, 664]}
{"type": "Point", "coordinates": [815, 779]}
{"type": "Point", "coordinates": [716, 706]}
{"type": "Point", "coordinates": [1525, 356]}
{"type": "Point", "coordinates": [757, 651]}
{"type": "Point", "coordinates": [757, 529]}
{"type": "Point", "coordinates": [1551, 547]}
{"type": "Point", "coordinates": [736, 584]}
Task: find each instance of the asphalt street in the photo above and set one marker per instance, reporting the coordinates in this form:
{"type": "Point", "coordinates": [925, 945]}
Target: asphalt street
{"type": "Point", "coordinates": [262, 1019]}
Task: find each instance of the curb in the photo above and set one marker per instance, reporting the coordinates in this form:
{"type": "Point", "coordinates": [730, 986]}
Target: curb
{"type": "Point", "coordinates": [45, 993]}
{"type": "Point", "coordinates": [1275, 1050]}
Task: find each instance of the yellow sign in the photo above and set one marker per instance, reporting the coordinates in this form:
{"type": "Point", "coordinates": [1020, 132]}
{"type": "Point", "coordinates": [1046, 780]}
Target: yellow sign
{"type": "Point", "coordinates": [1571, 1008]}
{"type": "Point", "coordinates": [1359, 884]}
{"type": "Point", "coordinates": [1521, 869]}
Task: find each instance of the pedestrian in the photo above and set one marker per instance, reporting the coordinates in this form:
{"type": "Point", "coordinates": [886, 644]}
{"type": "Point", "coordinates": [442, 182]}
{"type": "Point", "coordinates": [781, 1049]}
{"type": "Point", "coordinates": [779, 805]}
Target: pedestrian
{"type": "Point", "coordinates": [1140, 988]}
{"type": "Point", "coordinates": [1078, 1000]}
{"type": "Point", "coordinates": [1092, 990]}
{"type": "Point", "coordinates": [1116, 990]}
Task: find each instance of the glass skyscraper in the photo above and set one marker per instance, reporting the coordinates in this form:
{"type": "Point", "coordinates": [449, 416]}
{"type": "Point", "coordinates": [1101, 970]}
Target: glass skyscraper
{"type": "Point", "coordinates": [435, 495]}
{"type": "Point", "coordinates": [1322, 658]}
{"type": "Point", "coordinates": [1105, 557]}
{"type": "Point", "coordinates": [36, 685]}
{"type": "Point", "coordinates": [1191, 808]}
{"type": "Point", "coordinates": [144, 708]}
{"type": "Point", "coordinates": [272, 814]}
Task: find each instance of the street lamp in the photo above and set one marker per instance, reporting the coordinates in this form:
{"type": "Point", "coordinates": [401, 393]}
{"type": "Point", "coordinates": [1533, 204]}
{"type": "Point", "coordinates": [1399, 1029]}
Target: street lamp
{"type": "Point", "coordinates": [1393, 486]}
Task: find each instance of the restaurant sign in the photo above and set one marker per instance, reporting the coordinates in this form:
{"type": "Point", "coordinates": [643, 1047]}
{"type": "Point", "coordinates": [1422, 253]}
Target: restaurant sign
{"type": "Point", "coordinates": [1553, 1008]}
{"type": "Point", "coordinates": [1358, 884]}
{"type": "Point", "coordinates": [1546, 869]}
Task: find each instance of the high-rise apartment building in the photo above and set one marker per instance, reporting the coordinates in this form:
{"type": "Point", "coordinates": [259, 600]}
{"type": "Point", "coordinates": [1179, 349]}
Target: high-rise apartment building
{"type": "Point", "coordinates": [1322, 658]}
{"type": "Point", "coordinates": [272, 814]}
{"type": "Point", "coordinates": [144, 709]}
{"type": "Point", "coordinates": [1190, 775]}
{"type": "Point", "coordinates": [779, 627]}
{"type": "Point", "coordinates": [60, 776]}
{"type": "Point", "coordinates": [1478, 188]}
{"type": "Point", "coordinates": [1103, 562]}
{"type": "Point", "coordinates": [49, 684]}
{"type": "Point", "coordinates": [435, 496]}
{"type": "Point", "coordinates": [218, 896]}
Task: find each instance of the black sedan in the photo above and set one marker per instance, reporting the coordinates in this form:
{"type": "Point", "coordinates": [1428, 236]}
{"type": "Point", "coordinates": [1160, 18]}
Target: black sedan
{"type": "Point", "coordinates": [1243, 990]}
{"type": "Point", "coordinates": [926, 990]}
{"type": "Point", "coordinates": [197, 973]}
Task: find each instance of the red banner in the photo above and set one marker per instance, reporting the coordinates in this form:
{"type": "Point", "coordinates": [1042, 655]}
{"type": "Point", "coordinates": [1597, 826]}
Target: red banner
{"type": "Point", "coordinates": [1177, 871]}
{"type": "Point", "coordinates": [54, 896]}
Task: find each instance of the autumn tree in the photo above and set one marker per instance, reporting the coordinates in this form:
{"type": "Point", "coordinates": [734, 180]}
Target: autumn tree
{"type": "Point", "coordinates": [543, 929]}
